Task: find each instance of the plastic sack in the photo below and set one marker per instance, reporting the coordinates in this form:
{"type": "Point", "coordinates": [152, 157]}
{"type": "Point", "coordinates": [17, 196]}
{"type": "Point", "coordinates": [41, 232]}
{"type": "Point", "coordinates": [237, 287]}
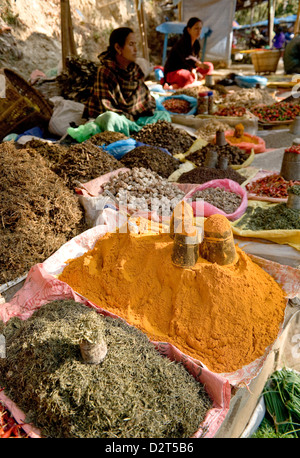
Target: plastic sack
{"type": "Point", "coordinates": [251, 81]}
{"type": "Point", "coordinates": [65, 112]}
{"type": "Point", "coordinates": [84, 132]}
{"type": "Point", "coordinates": [192, 101]}
{"type": "Point", "coordinates": [157, 116]}
{"type": "Point", "coordinates": [258, 147]}
{"type": "Point", "coordinates": [115, 122]}
{"type": "Point", "coordinates": [119, 148]}
{"type": "Point", "coordinates": [282, 236]}
{"type": "Point", "coordinates": [42, 286]}
{"type": "Point", "coordinates": [205, 209]}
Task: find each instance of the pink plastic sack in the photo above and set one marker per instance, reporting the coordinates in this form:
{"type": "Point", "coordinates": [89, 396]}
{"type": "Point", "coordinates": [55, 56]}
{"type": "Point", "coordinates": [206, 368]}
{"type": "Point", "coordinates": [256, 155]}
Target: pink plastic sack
{"type": "Point", "coordinates": [42, 286]}
{"type": "Point", "coordinates": [205, 209]}
{"type": "Point", "coordinates": [258, 147]}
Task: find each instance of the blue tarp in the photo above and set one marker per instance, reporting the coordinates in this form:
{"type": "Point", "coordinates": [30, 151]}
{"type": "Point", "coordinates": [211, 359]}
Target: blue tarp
{"type": "Point", "coordinates": [287, 19]}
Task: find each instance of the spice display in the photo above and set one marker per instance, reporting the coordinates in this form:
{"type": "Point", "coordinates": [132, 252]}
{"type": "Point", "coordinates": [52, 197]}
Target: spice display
{"type": "Point", "coordinates": [77, 162]}
{"type": "Point", "coordinates": [226, 201]}
{"type": "Point", "coordinates": [38, 212]}
{"type": "Point", "coordinates": [275, 217]}
{"type": "Point", "coordinates": [164, 135]}
{"type": "Point", "coordinates": [280, 111]}
{"type": "Point", "coordinates": [106, 138]}
{"type": "Point", "coordinates": [8, 426]}
{"type": "Point", "coordinates": [150, 157]}
{"type": "Point", "coordinates": [134, 392]}
{"type": "Point", "coordinates": [201, 175]}
{"type": "Point", "coordinates": [271, 186]}
{"type": "Point", "coordinates": [144, 190]}
{"type": "Point", "coordinates": [209, 129]}
{"type": "Point", "coordinates": [175, 105]}
{"type": "Point", "coordinates": [231, 111]}
{"type": "Point", "coordinates": [192, 91]}
{"type": "Point", "coordinates": [293, 149]}
{"type": "Point", "coordinates": [294, 189]}
{"type": "Point", "coordinates": [249, 97]}
{"type": "Point", "coordinates": [224, 316]}
{"type": "Point", "coordinates": [239, 136]}
{"type": "Point", "coordinates": [235, 155]}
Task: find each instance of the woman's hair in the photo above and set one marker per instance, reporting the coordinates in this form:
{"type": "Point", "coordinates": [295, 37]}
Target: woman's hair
{"type": "Point", "coordinates": [118, 36]}
{"type": "Point", "coordinates": [192, 21]}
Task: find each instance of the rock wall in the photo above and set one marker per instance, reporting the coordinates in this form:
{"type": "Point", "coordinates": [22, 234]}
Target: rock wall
{"type": "Point", "coordinates": [33, 41]}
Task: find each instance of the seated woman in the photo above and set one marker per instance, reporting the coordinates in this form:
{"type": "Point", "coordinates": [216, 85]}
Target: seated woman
{"type": "Point", "coordinates": [119, 85]}
{"type": "Point", "coordinates": [183, 65]}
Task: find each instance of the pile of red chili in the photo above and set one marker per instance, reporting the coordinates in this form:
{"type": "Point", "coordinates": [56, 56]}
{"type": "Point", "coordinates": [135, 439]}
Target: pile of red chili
{"type": "Point", "coordinates": [231, 111]}
{"type": "Point", "coordinates": [284, 111]}
{"type": "Point", "coordinates": [177, 105]}
{"type": "Point", "coordinates": [271, 186]}
{"type": "Point", "coordinates": [9, 428]}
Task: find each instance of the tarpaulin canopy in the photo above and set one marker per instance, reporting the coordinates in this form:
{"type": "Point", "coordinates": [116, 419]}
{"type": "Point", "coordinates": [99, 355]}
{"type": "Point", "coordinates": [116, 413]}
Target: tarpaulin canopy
{"type": "Point", "coordinates": [287, 19]}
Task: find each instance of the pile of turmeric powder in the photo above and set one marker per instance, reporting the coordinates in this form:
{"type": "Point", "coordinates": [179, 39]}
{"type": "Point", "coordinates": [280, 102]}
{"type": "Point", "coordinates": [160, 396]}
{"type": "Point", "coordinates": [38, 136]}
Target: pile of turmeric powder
{"type": "Point", "coordinates": [239, 136]}
{"type": "Point", "coordinates": [224, 316]}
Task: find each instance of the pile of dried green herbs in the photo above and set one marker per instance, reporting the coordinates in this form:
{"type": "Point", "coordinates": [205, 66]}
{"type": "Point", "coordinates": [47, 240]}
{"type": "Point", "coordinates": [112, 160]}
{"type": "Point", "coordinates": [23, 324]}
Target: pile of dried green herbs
{"type": "Point", "coordinates": [274, 217]}
{"type": "Point", "coordinates": [134, 392]}
{"type": "Point", "coordinates": [295, 190]}
{"type": "Point", "coordinates": [38, 213]}
{"type": "Point", "coordinates": [282, 399]}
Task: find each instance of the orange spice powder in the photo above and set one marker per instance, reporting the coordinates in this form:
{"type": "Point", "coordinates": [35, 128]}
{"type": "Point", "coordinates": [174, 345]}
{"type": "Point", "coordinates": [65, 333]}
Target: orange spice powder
{"type": "Point", "coordinates": [224, 316]}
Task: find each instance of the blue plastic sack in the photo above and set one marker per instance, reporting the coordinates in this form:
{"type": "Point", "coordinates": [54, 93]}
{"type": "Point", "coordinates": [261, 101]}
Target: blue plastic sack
{"type": "Point", "coordinates": [251, 81]}
{"type": "Point", "coordinates": [119, 148]}
{"type": "Point", "coordinates": [192, 101]}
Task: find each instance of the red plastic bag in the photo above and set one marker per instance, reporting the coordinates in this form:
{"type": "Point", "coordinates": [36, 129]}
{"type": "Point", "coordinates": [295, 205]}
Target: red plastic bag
{"type": "Point", "coordinates": [205, 209]}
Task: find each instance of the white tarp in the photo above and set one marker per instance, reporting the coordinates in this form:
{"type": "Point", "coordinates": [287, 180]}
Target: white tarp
{"type": "Point", "coordinates": [218, 15]}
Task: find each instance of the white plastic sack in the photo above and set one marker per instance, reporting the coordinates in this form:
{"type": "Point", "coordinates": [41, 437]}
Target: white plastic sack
{"type": "Point", "coordinates": [65, 112]}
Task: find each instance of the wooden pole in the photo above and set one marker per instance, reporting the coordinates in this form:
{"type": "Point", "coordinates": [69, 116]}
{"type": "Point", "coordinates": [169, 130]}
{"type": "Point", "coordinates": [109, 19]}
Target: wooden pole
{"type": "Point", "coordinates": [143, 33]}
{"type": "Point", "coordinates": [297, 22]}
{"type": "Point", "coordinates": [67, 36]}
{"type": "Point", "coordinates": [270, 20]}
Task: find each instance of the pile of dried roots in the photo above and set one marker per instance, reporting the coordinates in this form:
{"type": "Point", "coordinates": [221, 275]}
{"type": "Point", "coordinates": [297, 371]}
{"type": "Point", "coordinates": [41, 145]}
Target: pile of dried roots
{"type": "Point", "coordinates": [38, 213]}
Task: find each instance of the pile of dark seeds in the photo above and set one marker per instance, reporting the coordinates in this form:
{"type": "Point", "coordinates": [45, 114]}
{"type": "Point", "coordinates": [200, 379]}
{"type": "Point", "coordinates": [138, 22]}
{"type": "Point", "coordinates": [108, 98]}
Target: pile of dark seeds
{"type": "Point", "coordinates": [151, 158]}
{"type": "Point", "coordinates": [226, 201]}
{"type": "Point", "coordinates": [164, 135]}
{"type": "Point", "coordinates": [201, 175]}
{"type": "Point", "coordinates": [134, 392]}
{"type": "Point", "coordinates": [235, 155]}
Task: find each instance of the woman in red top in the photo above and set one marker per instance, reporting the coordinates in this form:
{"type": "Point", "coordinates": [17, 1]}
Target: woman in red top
{"type": "Point", "coordinates": [183, 65]}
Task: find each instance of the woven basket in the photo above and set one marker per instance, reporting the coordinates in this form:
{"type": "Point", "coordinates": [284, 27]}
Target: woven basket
{"type": "Point", "coordinates": [265, 61]}
{"type": "Point", "coordinates": [23, 107]}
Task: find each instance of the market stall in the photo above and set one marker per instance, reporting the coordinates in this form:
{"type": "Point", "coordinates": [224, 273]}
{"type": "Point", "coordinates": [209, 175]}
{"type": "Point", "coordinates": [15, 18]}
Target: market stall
{"type": "Point", "coordinates": [161, 260]}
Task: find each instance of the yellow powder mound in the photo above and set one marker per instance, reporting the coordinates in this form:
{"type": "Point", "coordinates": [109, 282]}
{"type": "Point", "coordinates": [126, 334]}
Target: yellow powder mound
{"type": "Point", "coordinates": [224, 316]}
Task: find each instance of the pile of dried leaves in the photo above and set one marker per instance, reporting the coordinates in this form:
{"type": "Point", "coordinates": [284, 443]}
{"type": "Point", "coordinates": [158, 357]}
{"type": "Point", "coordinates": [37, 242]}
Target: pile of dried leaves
{"type": "Point", "coordinates": [134, 392]}
{"type": "Point", "coordinates": [76, 162]}
{"type": "Point", "coordinates": [38, 213]}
